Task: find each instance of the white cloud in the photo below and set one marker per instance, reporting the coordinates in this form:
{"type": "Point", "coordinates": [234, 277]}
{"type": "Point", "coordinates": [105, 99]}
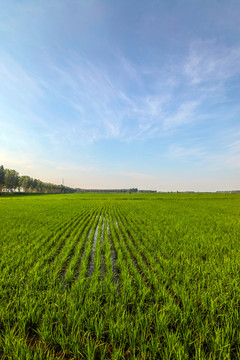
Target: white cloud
{"type": "Point", "coordinates": [184, 115]}
{"type": "Point", "coordinates": [103, 108]}
{"type": "Point", "coordinates": [16, 84]}
{"type": "Point", "coordinates": [95, 105]}
{"type": "Point", "coordinates": [233, 155]}
{"type": "Point", "coordinates": [208, 61]}
{"type": "Point", "coordinates": [225, 156]}
{"type": "Point", "coordinates": [181, 152]}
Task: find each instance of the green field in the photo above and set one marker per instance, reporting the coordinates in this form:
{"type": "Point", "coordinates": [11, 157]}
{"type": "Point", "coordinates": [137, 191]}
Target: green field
{"type": "Point", "coordinates": [145, 276]}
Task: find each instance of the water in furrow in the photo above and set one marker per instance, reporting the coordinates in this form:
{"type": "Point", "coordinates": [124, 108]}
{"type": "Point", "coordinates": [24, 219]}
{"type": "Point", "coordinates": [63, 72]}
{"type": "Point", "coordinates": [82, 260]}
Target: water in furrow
{"type": "Point", "coordinates": [91, 266]}
{"type": "Point", "coordinates": [113, 255]}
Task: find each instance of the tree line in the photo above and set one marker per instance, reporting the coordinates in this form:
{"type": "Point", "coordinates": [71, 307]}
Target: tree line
{"type": "Point", "coordinates": [11, 181]}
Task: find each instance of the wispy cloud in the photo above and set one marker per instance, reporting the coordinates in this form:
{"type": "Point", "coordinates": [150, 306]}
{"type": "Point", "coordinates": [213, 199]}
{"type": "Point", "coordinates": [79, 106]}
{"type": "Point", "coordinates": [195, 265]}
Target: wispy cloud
{"type": "Point", "coordinates": [185, 114]}
{"type": "Point", "coordinates": [16, 83]}
{"type": "Point", "coordinates": [233, 154]}
{"type": "Point", "coordinates": [121, 81]}
{"type": "Point", "coordinates": [105, 108]}
{"type": "Point", "coordinates": [186, 153]}
{"type": "Point", "coordinates": [91, 103]}
{"type": "Point", "coordinates": [225, 156]}
{"type": "Point", "coordinates": [208, 61]}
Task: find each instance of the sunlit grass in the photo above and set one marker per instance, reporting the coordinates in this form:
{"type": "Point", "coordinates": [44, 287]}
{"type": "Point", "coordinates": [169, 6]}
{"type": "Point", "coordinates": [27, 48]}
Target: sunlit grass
{"type": "Point", "coordinates": [120, 276]}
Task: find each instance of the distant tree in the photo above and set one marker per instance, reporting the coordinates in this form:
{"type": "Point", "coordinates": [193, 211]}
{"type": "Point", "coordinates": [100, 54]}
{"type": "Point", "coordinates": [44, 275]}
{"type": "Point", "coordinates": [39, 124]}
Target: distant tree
{"type": "Point", "coordinates": [8, 180]}
{"type": "Point", "coordinates": [2, 176]}
{"type": "Point", "coordinates": [11, 179]}
{"type": "Point", "coordinates": [25, 183]}
{"type": "Point", "coordinates": [31, 189]}
{"type": "Point", "coordinates": [19, 183]}
{"type": "Point", "coordinates": [34, 184]}
{"type": "Point", "coordinates": [15, 179]}
{"type": "Point", "coordinates": [133, 190]}
{"type": "Point", "coordinates": [40, 186]}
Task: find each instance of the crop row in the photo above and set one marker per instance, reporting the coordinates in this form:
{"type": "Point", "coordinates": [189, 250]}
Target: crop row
{"type": "Point", "coordinates": [115, 279]}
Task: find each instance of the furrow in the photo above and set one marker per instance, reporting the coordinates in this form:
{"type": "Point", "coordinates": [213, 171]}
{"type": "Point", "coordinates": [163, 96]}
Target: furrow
{"type": "Point", "coordinates": [91, 265]}
{"type": "Point", "coordinates": [86, 257]}
{"type": "Point", "coordinates": [103, 270]}
{"type": "Point", "coordinates": [28, 258]}
{"type": "Point", "coordinates": [56, 249]}
{"type": "Point", "coordinates": [113, 255]}
{"type": "Point", "coordinates": [153, 275]}
{"type": "Point", "coordinates": [135, 256]}
{"type": "Point", "coordinates": [136, 278]}
{"type": "Point", "coordinates": [74, 249]}
{"type": "Point", "coordinates": [72, 271]}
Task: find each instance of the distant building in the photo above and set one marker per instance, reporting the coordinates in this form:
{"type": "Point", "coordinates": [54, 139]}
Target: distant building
{"type": "Point", "coordinates": [115, 191]}
{"type": "Point", "coordinates": [147, 191]}
{"type": "Point", "coordinates": [229, 191]}
{"type": "Point", "coordinates": [107, 191]}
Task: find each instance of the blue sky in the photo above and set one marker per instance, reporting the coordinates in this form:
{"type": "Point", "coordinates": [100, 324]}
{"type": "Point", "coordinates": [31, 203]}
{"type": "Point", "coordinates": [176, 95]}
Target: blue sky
{"type": "Point", "coordinates": [119, 94]}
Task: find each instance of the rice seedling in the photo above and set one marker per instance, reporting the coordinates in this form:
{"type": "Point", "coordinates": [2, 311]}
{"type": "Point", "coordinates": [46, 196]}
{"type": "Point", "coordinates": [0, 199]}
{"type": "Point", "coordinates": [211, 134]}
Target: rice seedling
{"type": "Point", "coordinates": [144, 276]}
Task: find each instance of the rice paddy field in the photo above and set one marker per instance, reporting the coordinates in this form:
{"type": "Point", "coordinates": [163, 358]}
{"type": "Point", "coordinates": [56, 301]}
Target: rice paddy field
{"type": "Point", "coordinates": [100, 276]}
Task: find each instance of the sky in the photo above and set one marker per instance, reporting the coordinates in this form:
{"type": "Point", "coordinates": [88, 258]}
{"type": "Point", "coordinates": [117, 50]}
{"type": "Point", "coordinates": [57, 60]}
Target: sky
{"type": "Point", "coordinates": [123, 93]}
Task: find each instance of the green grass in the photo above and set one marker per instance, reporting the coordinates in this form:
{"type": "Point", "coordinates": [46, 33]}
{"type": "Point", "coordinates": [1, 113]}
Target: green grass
{"type": "Point", "coordinates": [120, 276]}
